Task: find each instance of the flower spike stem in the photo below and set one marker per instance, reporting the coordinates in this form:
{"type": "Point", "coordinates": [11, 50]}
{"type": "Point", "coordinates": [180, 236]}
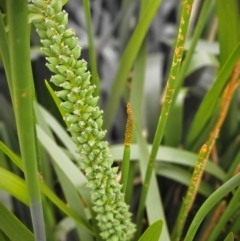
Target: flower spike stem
{"type": "Point", "coordinates": [177, 58]}
{"type": "Point", "coordinates": [23, 95]}
{"type": "Point", "coordinates": [83, 118]}
{"type": "Point", "coordinates": [127, 143]}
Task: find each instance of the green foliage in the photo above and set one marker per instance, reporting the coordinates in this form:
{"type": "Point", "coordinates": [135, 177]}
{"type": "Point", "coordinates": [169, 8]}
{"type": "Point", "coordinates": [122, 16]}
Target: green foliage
{"type": "Point", "coordinates": [67, 175]}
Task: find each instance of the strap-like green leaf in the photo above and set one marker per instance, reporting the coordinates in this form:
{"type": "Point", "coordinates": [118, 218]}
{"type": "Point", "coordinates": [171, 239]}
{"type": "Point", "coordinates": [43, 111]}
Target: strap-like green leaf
{"type": "Point", "coordinates": [12, 227]}
{"type": "Point", "coordinates": [153, 232]}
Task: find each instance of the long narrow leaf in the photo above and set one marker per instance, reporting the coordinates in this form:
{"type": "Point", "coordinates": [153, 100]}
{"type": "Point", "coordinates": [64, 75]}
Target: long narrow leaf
{"type": "Point", "coordinates": [211, 98]}
{"type": "Point", "coordinates": [45, 190]}
{"type": "Point", "coordinates": [171, 155]}
{"type": "Point", "coordinates": [127, 60]}
{"type": "Point", "coordinates": [12, 227]}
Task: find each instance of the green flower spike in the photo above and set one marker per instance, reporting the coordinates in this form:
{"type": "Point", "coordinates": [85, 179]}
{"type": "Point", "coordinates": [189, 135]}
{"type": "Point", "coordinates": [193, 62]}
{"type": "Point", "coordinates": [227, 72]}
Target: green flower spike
{"type": "Point", "coordinates": [83, 117]}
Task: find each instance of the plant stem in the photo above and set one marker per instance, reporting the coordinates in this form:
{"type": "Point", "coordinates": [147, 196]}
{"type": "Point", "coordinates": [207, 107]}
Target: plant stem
{"type": "Point", "coordinates": [23, 95]}
{"type": "Point", "coordinates": [185, 16]}
{"type": "Point", "coordinates": [198, 30]}
{"type": "Point", "coordinates": [127, 143]}
{"type": "Point", "coordinates": [93, 65]}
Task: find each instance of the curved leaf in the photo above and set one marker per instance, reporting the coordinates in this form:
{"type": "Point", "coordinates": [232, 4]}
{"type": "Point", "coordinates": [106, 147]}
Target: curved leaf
{"type": "Point", "coordinates": [153, 232]}
{"type": "Point", "coordinates": [209, 204]}
{"type": "Point", "coordinates": [172, 155]}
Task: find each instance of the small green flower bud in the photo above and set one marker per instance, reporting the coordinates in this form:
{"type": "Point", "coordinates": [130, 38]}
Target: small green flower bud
{"type": "Point", "coordinates": [70, 75]}
{"type": "Point", "coordinates": [115, 169]}
{"type": "Point", "coordinates": [66, 51]}
{"type": "Point", "coordinates": [52, 67]}
{"type": "Point", "coordinates": [91, 143]}
{"type": "Point", "coordinates": [77, 112]}
{"type": "Point", "coordinates": [53, 60]}
{"type": "Point", "coordinates": [76, 52]}
{"type": "Point", "coordinates": [99, 202]}
{"type": "Point", "coordinates": [86, 77]}
{"type": "Point", "coordinates": [50, 11]}
{"type": "Point", "coordinates": [88, 130]}
{"type": "Point", "coordinates": [50, 32]}
{"type": "Point", "coordinates": [47, 51]}
{"type": "Point", "coordinates": [57, 79]}
{"type": "Point", "coordinates": [62, 94]}
{"type": "Point", "coordinates": [56, 5]}
{"type": "Point", "coordinates": [93, 186]}
{"type": "Point", "coordinates": [99, 122]}
{"type": "Point", "coordinates": [96, 113]}
{"type": "Point", "coordinates": [50, 23]}
{"type": "Point", "coordinates": [93, 124]}
{"type": "Point", "coordinates": [109, 190]}
{"type": "Point", "coordinates": [90, 90]}
{"type": "Point", "coordinates": [40, 26]}
{"type": "Point", "coordinates": [46, 42]}
{"type": "Point", "coordinates": [39, 4]}
{"type": "Point", "coordinates": [100, 135]}
{"type": "Point", "coordinates": [61, 69]}
{"type": "Point", "coordinates": [85, 84]}
{"type": "Point", "coordinates": [42, 34]}
{"type": "Point", "coordinates": [105, 234]}
{"type": "Point", "coordinates": [81, 64]}
{"type": "Point", "coordinates": [81, 124]}
{"type": "Point", "coordinates": [92, 100]}
{"type": "Point", "coordinates": [60, 28]}
{"type": "Point", "coordinates": [80, 103]}
{"type": "Point", "coordinates": [60, 16]}
{"type": "Point", "coordinates": [94, 195]}
{"type": "Point", "coordinates": [72, 97]}
{"type": "Point", "coordinates": [75, 90]}
{"type": "Point", "coordinates": [63, 59]}
{"type": "Point", "coordinates": [70, 42]}
{"type": "Point", "coordinates": [89, 109]}
{"type": "Point", "coordinates": [71, 118]}
{"type": "Point", "coordinates": [33, 9]}
{"type": "Point", "coordinates": [72, 62]}
{"type": "Point", "coordinates": [37, 18]}
{"type": "Point", "coordinates": [82, 165]}
{"type": "Point", "coordinates": [85, 116]}
{"type": "Point", "coordinates": [66, 85]}
{"type": "Point", "coordinates": [78, 80]}
{"type": "Point", "coordinates": [81, 139]}
{"type": "Point", "coordinates": [57, 39]}
{"type": "Point", "coordinates": [64, 21]}
{"type": "Point", "coordinates": [79, 71]}
{"type": "Point", "coordinates": [109, 225]}
{"type": "Point", "coordinates": [67, 106]}
{"type": "Point", "coordinates": [68, 33]}
{"type": "Point", "coordinates": [55, 49]}
{"type": "Point", "coordinates": [74, 128]}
